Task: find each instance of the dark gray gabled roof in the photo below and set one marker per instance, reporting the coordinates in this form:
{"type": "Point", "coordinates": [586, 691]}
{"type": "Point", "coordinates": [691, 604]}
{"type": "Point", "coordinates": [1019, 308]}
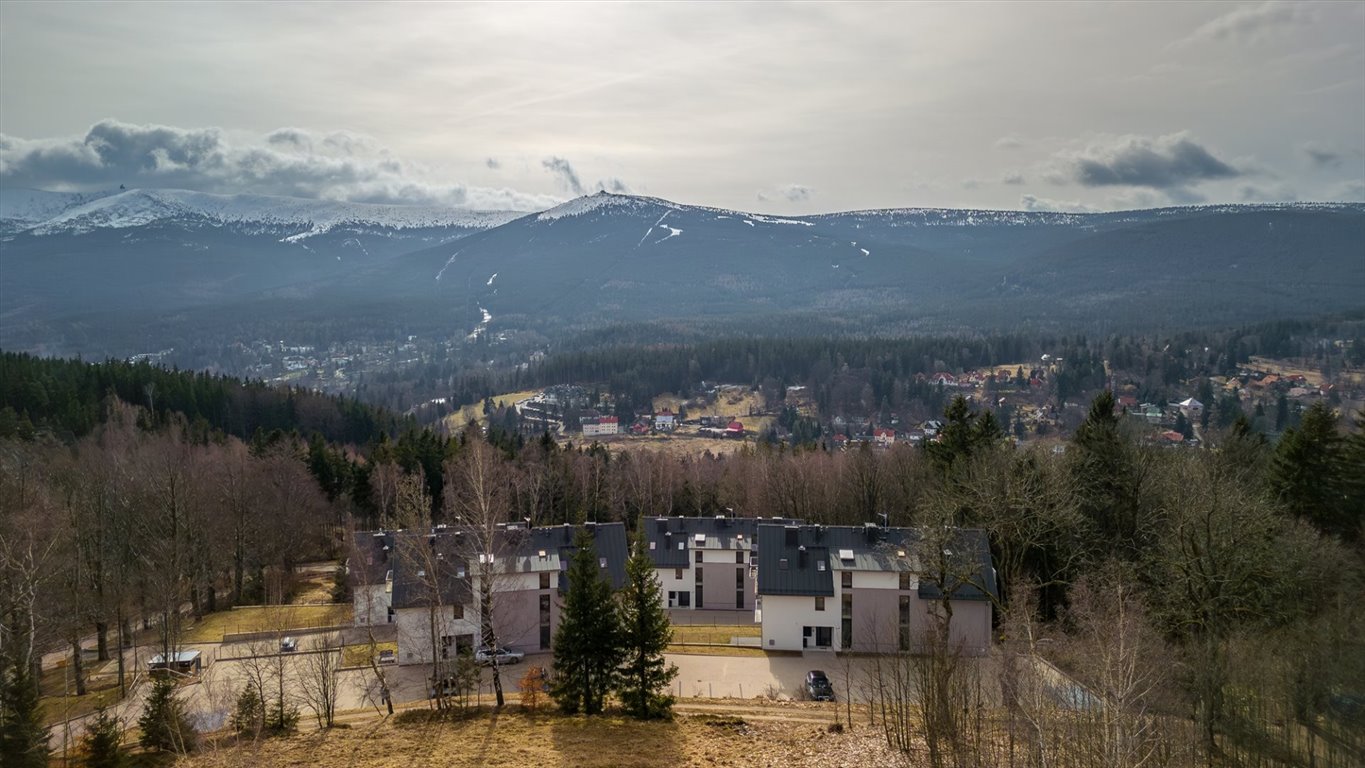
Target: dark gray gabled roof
{"type": "Point", "coordinates": [663, 534]}
{"type": "Point", "coordinates": [368, 561]}
{"type": "Point", "coordinates": [964, 568]}
{"type": "Point", "coordinates": [790, 556]}
{"type": "Point", "coordinates": [609, 545]}
{"type": "Point", "coordinates": [426, 562]}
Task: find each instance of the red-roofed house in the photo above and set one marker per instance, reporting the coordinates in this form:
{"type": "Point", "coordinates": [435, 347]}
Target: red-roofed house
{"type": "Point", "coordinates": [884, 436]}
{"type": "Point", "coordinates": [734, 429]}
{"type": "Point", "coordinates": [594, 426]}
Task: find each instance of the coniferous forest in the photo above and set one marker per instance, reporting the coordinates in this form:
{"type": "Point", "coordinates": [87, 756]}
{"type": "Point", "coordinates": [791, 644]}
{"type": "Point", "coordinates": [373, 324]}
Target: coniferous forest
{"type": "Point", "coordinates": [1211, 597]}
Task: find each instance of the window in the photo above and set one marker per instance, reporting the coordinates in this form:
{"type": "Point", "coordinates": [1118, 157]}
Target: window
{"type": "Point", "coordinates": [739, 600]}
{"type": "Point", "coordinates": [905, 623]}
{"type": "Point", "coordinates": [739, 578]}
{"type": "Point", "coordinates": [820, 565]}
{"type": "Point", "coordinates": [739, 557]}
{"type": "Point", "coordinates": [699, 557]}
{"type": "Point", "coordinates": [651, 545]}
{"type": "Point", "coordinates": [544, 579]}
{"type": "Point", "coordinates": [782, 564]}
{"type": "Point", "coordinates": [846, 613]}
{"type": "Point", "coordinates": [824, 637]}
{"type": "Point", "coordinates": [677, 573]}
{"type": "Point", "coordinates": [904, 580]}
{"type": "Point", "coordinates": [601, 562]}
{"type": "Point", "coordinates": [684, 599]}
{"type": "Point", "coordinates": [846, 579]}
{"type": "Point", "coordinates": [698, 575]}
{"type": "Point", "coordinates": [819, 603]}
{"type": "Point", "coordinates": [457, 610]}
{"type": "Point", "coordinates": [544, 622]}
{"type": "Point", "coordinates": [682, 545]}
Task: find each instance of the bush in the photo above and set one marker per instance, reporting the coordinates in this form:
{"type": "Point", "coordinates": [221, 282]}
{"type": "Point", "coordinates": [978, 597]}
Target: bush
{"type": "Point", "coordinates": [532, 685]}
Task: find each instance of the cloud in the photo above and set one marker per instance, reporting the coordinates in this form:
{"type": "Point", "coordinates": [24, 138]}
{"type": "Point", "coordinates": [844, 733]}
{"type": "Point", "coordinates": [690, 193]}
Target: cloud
{"type": "Point", "coordinates": [971, 183]}
{"type": "Point", "coordinates": [288, 161]}
{"type": "Point", "coordinates": [563, 170]}
{"type": "Point", "coordinates": [1035, 203]}
{"type": "Point", "coordinates": [792, 193]}
{"type": "Point", "coordinates": [1279, 193]}
{"type": "Point", "coordinates": [493, 163]}
{"type": "Point", "coordinates": [1011, 141]}
{"type": "Point", "coordinates": [1349, 192]}
{"type": "Point", "coordinates": [1322, 157]}
{"type": "Point", "coordinates": [1012, 179]}
{"type": "Point", "coordinates": [1251, 23]}
{"type": "Point", "coordinates": [614, 185]}
{"type": "Point", "coordinates": [1166, 162]}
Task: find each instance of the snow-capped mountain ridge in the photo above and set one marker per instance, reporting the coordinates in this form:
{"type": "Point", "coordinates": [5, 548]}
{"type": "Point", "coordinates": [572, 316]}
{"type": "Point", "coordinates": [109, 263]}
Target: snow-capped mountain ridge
{"type": "Point", "coordinates": [140, 207]}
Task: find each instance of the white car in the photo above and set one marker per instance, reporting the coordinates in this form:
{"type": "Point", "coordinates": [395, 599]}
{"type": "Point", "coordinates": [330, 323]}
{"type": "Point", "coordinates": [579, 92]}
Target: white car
{"type": "Point", "coordinates": [498, 656]}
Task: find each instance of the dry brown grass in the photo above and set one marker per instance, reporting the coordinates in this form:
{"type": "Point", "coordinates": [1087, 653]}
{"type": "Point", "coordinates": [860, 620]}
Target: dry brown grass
{"type": "Point", "coordinates": [512, 739]}
{"type": "Point", "coordinates": [266, 618]}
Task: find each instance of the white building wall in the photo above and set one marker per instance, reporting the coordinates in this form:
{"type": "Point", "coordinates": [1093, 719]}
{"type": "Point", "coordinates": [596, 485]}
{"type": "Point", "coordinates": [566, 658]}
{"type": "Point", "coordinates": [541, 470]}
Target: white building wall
{"type": "Point", "coordinates": [371, 604]}
{"type": "Point", "coordinates": [668, 582]}
{"type": "Point", "coordinates": [415, 636]}
{"type": "Point", "coordinates": [784, 618]}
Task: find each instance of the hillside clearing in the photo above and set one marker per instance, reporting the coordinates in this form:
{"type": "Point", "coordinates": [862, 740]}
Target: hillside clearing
{"type": "Point", "coordinates": [515, 739]}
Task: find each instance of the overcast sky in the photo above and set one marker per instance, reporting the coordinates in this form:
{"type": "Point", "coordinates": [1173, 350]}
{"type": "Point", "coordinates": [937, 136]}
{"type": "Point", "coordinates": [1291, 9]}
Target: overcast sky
{"type": "Point", "coordinates": [768, 107]}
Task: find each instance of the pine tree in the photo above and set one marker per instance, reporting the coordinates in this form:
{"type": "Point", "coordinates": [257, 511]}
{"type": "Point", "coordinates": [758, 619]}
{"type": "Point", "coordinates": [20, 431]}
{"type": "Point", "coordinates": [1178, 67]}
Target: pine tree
{"type": "Point", "coordinates": [164, 722]}
{"type": "Point", "coordinates": [102, 742]}
{"type": "Point", "coordinates": [1105, 477]}
{"type": "Point", "coordinates": [644, 679]}
{"type": "Point", "coordinates": [23, 739]}
{"type": "Point", "coordinates": [588, 640]}
{"type": "Point", "coordinates": [1308, 473]}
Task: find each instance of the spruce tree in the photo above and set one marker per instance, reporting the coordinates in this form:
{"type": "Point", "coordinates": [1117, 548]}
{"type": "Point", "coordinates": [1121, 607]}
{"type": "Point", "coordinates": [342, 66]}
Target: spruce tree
{"type": "Point", "coordinates": [1308, 473]}
{"type": "Point", "coordinates": [1105, 477]}
{"type": "Point", "coordinates": [164, 722]}
{"type": "Point", "coordinates": [102, 742]}
{"type": "Point", "coordinates": [588, 640]}
{"type": "Point", "coordinates": [644, 678]}
{"type": "Point", "coordinates": [23, 739]}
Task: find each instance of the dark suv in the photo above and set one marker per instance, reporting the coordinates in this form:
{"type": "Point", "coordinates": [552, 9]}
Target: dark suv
{"type": "Point", "coordinates": [817, 685]}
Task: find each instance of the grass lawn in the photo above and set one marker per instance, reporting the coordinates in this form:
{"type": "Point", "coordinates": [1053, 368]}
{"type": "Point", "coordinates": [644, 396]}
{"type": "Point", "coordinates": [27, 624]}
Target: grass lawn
{"type": "Point", "coordinates": [266, 618]}
{"type": "Point", "coordinates": [716, 650]}
{"type": "Point", "coordinates": [360, 655]}
{"type": "Point", "coordinates": [101, 691]}
{"type": "Point", "coordinates": [720, 634]}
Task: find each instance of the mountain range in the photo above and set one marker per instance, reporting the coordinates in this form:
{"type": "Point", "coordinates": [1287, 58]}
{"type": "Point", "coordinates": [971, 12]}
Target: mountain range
{"type": "Point", "coordinates": [134, 256]}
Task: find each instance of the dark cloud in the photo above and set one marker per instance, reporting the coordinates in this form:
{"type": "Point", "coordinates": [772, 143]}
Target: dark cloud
{"type": "Point", "coordinates": [564, 171]}
{"type": "Point", "coordinates": [288, 161]}
{"type": "Point", "coordinates": [1322, 157]}
{"type": "Point", "coordinates": [1012, 179]}
{"type": "Point", "coordinates": [493, 163]}
{"type": "Point", "coordinates": [792, 193]}
{"type": "Point", "coordinates": [614, 185]}
{"type": "Point", "coordinates": [1165, 162]}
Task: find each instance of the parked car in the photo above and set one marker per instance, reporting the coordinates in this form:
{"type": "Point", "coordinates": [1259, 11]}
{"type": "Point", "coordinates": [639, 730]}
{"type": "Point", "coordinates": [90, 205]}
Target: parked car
{"type": "Point", "coordinates": [289, 645]}
{"type": "Point", "coordinates": [500, 656]}
{"type": "Point", "coordinates": [817, 685]}
{"type": "Point", "coordinates": [388, 657]}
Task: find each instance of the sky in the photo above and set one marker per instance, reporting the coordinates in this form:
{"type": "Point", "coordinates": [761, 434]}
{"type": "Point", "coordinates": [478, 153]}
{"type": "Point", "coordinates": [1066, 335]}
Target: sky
{"type": "Point", "coordinates": [773, 107]}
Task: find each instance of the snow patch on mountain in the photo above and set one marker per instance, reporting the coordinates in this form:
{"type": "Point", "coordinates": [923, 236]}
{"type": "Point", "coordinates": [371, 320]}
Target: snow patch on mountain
{"type": "Point", "coordinates": [139, 207]}
{"type": "Point", "coordinates": [605, 202]}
